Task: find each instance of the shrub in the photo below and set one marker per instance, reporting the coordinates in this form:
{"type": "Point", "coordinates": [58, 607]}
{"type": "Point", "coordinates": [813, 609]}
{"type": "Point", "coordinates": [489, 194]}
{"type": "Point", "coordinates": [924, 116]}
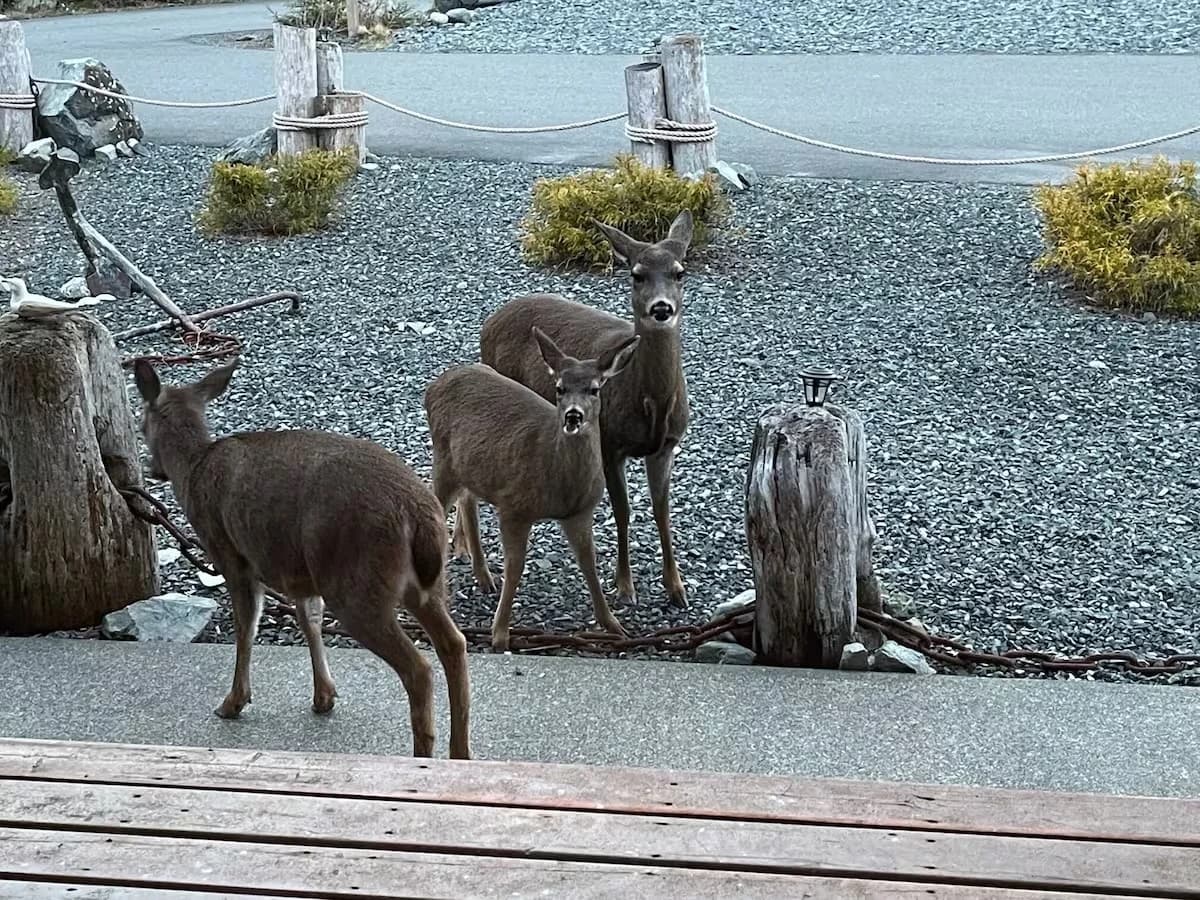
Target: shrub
{"type": "Point", "coordinates": [8, 190]}
{"type": "Point", "coordinates": [638, 199]}
{"type": "Point", "coordinates": [280, 196]}
{"type": "Point", "coordinates": [1129, 235]}
{"type": "Point", "coordinates": [374, 14]}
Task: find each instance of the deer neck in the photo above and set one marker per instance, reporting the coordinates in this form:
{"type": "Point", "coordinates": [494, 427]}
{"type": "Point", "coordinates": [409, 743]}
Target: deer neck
{"type": "Point", "coordinates": [181, 449]}
{"type": "Point", "coordinates": [657, 363]}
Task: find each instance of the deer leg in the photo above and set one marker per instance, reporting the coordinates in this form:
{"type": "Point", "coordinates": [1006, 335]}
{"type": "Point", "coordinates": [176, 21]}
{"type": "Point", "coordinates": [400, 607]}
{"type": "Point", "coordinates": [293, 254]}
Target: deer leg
{"type": "Point", "coordinates": [451, 648]}
{"type": "Point", "coordinates": [459, 546]}
{"type": "Point", "coordinates": [309, 615]}
{"type": "Point", "coordinates": [246, 597]}
{"type": "Point", "coordinates": [468, 518]}
{"type": "Point", "coordinates": [578, 532]}
{"type": "Point", "coordinates": [658, 476]}
{"type": "Point", "coordinates": [380, 632]}
{"type": "Point", "coordinates": [618, 496]}
{"type": "Point", "coordinates": [515, 536]}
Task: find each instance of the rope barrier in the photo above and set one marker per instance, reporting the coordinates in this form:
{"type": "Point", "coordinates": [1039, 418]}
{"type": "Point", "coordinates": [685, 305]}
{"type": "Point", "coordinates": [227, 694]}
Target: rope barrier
{"type": "Point", "coordinates": [673, 132]}
{"type": "Point", "coordinates": [333, 120]}
{"type": "Point", "coordinates": [942, 161]}
{"type": "Point", "coordinates": [18, 101]}
{"type": "Point", "coordinates": [174, 104]}
{"type": "Point", "coordinates": [494, 129]}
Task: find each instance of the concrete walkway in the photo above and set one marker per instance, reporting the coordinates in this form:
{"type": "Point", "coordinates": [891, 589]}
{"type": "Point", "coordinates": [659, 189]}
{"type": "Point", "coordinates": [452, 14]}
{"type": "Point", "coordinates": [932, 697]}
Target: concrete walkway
{"type": "Point", "coordinates": [978, 106]}
{"type": "Point", "coordinates": [960, 730]}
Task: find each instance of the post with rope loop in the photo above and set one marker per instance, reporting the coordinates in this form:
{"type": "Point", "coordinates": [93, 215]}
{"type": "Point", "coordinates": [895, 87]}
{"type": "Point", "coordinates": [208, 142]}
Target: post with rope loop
{"type": "Point", "coordinates": [647, 102]}
{"type": "Point", "coordinates": [686, 85]}
{"type": "Point", "coordinates": [296, 87]}
{"type": "Point", "coordinates": [342, 108]}
{"type": "Point", "coordinates": [17, 101]}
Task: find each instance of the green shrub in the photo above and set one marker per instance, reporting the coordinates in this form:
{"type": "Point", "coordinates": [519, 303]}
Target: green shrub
{"type": "Point", "coordinates": [638, 199]}
{"type": "Point", "coordinates": [8, 190]}
{"type": "Point", "coordinates": [374, 14]}
{"type": "Point", "coordinates": [280, 196]}
{"type": "Point", "coordinates": [1129, 235]}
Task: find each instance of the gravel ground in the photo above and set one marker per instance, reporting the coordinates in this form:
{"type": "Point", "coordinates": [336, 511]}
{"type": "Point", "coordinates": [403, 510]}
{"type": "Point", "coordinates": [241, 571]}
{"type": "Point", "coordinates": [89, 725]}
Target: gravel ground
{"type": "Point", "coordinates": [825, 26]}
{"type": "Point", "coordinates": [1032, 461]}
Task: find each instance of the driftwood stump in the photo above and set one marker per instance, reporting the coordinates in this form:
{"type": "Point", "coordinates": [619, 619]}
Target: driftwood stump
{"type": "Point", "coordinates": [70, 549]}
{"type": "Point", "coordinates": [809, 532]}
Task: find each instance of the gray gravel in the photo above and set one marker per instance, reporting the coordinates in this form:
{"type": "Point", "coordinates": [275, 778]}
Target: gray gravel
{"type": "Point", "coordinates": [825, 26]}
{"type": "Point", "coordinates": [1032, 461]}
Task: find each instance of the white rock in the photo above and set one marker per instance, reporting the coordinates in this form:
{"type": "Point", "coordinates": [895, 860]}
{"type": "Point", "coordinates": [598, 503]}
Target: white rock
{"type": "Point", "coordinates": [438, 18]}
{"type": "Point", "coordinates": [211, 580]}
{"type": "Point", "coordinates": [855, 658]}
{"type": "Point", "coordinates": [107, 153]}
{"type": "Point", "coordinates": [35, 155]}
{"type": "Point", "coordinates": [75, 289]}
{"type": "Point", "coordinates": [178, 618]}
{"type": "Point", "coordinates": [124, 149]}
{"type": "Point", "coordinates": [168, 555]}
{"type": "Point", "coordinates": [725, 654]}
{"type": "Point", "coordinates": [893, 657]}
{"type": "Point", "coordinates": [461, 16]}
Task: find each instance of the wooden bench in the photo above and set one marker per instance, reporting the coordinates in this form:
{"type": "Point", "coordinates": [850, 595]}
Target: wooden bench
{"type": "Point", "coordinates": [117, 821]}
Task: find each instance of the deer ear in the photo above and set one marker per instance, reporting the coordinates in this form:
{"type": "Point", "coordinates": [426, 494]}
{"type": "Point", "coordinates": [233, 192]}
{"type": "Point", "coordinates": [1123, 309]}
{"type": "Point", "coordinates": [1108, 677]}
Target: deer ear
{"type": "Point", "coordinates": [147, 381]}
{"type": "Point", "coordinates": [215, 383]}
{"type": "Point", "coordinates": [615, 359]}
{"type": "Point", "coordinates": [550, 352]}
{"type": "Point", "coordinates": [680, 233]}
{"type": "Point", "coordinates": [627, 250]}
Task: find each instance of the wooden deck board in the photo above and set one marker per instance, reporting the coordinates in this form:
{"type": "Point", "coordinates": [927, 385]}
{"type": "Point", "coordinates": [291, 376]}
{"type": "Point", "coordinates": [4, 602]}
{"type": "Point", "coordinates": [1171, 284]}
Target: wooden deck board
{"type": "Point", "coordinates": [738, 846]}
{"type": "Point", "coordinates": [636, 791]}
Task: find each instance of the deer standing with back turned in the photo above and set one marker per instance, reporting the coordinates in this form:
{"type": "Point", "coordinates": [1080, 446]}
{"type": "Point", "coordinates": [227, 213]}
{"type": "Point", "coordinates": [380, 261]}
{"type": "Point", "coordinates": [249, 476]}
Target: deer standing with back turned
{"type": "Point", "coordinates": [317, 517]}
{"type": "Point", "coordinates": [645, 411]}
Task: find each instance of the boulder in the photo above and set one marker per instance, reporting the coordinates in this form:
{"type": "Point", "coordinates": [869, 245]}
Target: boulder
{"type": "Point", "coordinates": [855, 658]}
{"type": "Point", "coordinates": [461, 16]}
{"type": "Point", "coordinates": [724, 653]}
{"type": "Point", "coordinates": [439, 18]}
{"type": "Point", "coordinates": [35, 155]}
{"type": "Point", "coordinates": [893, 657]}
{"type": "Point", "coordinates": [80, 120]}
{"type": "Point", "coordinates": [178, 618]}
{"type": "Point", "coordinates": [253, 148]}
{"type": "Point", "coordinates": [108, 279]}
{"type": "Point", "coordinates": [74, 289]}
{"type": "Point", "coordinates": [107, 153]}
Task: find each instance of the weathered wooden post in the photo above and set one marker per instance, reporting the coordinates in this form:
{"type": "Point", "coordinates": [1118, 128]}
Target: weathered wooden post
{"type": "Point", "coordinates": [16, 96]}
{"type": "Point", "coordinates": [809, 533]}
{"type": "Point", "coordinates": [686, 82]}
{"type": "Point", "coordinates": [71, 550]}
{"type": "Point", "coordinates": [332, 100]}
{"type": "Point", "coordinates": [353, 20]}
{"type": "Point", "coordinates": [295, 85]}
{"type": "Point", "coordinates": [647, 103]}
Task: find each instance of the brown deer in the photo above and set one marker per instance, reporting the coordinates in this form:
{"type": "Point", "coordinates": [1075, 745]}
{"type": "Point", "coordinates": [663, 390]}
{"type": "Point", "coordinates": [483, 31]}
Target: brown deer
{"type": "Point", "coordinates": [317, 517]}
{"type": "Point", "coordinates": [645, 412]}
{"type": "Point", "coordinates": [533, 460]}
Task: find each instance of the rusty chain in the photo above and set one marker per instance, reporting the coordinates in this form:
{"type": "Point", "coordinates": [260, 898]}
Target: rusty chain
{"type": "Point", "coordinates": [686, 638]}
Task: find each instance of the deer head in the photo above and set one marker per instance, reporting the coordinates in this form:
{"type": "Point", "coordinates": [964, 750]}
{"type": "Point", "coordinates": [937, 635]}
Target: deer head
{"type": "Point", "coordinates": [577, 382]}
{"type": "Point", "coordinates": [657, 271]}
{"type": "Point", "coordinates": [173, 418]}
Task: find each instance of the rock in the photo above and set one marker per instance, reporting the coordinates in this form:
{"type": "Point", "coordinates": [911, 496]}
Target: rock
{"type": "Point", "coordinates": [368, 167]}
{"type": "Point", "coordinates": [724, 653]}
{"type": "Point", "coordinates": [253, 148]}
{"type": "Point", "coordinates": [734, 605]}
{"type": "Point", "coordinates": [855, 658]}
{"type": "Point", "coordinates": [107, 153]}
{"type": "Point", "coordinates": [108, 279]}
{"type": "Point", "coordinates": [74, 289]}
{"type": "Point", "coordinates": [444, 6]}
{"type": "Point", "coordinates": [83, 121]}
{"type": "Point", "coordinates": [35, 155]}
{"type": "Point", "coordinates": [178, 618]}
{"type": "Point", "coordinates": [124, 149]}
{"type": "Point", "coordinates": [138, 147]}
{"type": "Point", "coordinates": [916, 623]}
{"type": "Point", "coordinates": [439, 18]}
{"type": "Point", "coordinates": [893, 657]}
{"type": "Point", "coordinates": [461, 16]}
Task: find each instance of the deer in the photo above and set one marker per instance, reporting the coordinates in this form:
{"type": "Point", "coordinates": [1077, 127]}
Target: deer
{"type": "Point", "coordinates": [645, 412]}
{"type": "Point", "coordinates": [533, 460]}
{"type": "Point", "coordinates": [318, 517]}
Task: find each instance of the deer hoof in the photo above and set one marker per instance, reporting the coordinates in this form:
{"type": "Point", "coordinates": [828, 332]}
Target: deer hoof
{"type": "Point", "coordinates": [614, 627]}
{"type": "Point", "coordinates": [230, 709]}
{"type": "Point", "coordinates": [499, 642]}
{"type": "Point", "coordinates": [677, 597]}
{"type": "Point", "coordinates": [323, 703]}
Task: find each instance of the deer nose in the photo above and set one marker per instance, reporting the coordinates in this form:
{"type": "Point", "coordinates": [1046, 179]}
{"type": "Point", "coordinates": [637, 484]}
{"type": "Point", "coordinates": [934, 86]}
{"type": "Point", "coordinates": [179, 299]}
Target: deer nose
{"type": "Point", "coordinates": [572, 420]}
{"type": "Point", "coordinates": [662, 310]}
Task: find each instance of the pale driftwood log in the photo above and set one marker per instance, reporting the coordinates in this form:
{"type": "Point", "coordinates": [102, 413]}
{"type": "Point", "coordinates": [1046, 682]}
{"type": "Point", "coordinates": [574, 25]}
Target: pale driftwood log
{"type": "Point", "coordinates": [647, 103]}
{"type": "Point", "coordinates": [296, 83]}
{"type": "Point", "coordinates": [70, 549]}
{"type": "Point", "coordinates": [867, 590]}
{"type": "Point", "coordinates": [341, 138]}
{"type": "Point", "coordinates": [801, 515]}
{"type": "Point", "coordinates": [16, 125]}
{"type": "Point", "coordinates": [331, 70]}
{"type": "Point", "coordinates": [685, 80]}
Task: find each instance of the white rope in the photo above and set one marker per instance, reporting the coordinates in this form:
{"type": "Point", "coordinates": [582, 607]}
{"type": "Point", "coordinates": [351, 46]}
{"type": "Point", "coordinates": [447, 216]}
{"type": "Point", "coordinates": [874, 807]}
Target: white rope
{"type": "Point", "coordinates": [17, 101]}
{"type": "Point", "coordinates": [175, 104]}
{"type": "Point", "coordinates": [494, 129]}
{"type": "Point", "coordinates": [356, 119]}
{"type": "Point", "coordinates": [673, 132]}
{"type": "Point", "coordinates": [940, 161]}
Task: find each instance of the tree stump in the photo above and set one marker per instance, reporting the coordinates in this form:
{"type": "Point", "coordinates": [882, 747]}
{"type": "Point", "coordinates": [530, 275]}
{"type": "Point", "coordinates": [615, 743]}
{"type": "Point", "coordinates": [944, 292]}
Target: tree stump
{"type": "Point", "coordinates": [809, 532]}
{"type": "Point", "coordinates": [70, 549]}
{"type": "Point", "coordinates": [295, 84]}
{"type": "Point", "coordinates": [16, 125]}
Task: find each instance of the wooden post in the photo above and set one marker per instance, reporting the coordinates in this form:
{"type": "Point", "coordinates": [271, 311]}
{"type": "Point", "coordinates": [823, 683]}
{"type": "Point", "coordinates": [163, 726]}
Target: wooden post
{"type": "Point", "coordinates": [71, 550]}
{"type": "Point", "coordinates": [16, 115]}
{"type": "Point", "coordinates": [801, 520]}
{"type": "Point", "coordinates": [341, 138]}
{"type": "Point", "coordinates": [686, 84]}
{"type": "Point", "coordinates": [862, 527]}
{"type": "Point", "coordinates": [296, 83]}
{"type": "Point", "coordinates": [331, 71]}
{"type": "Point", "coordinates": [647, 104]}
{"type": "Point", "coordinates": [353, 21]}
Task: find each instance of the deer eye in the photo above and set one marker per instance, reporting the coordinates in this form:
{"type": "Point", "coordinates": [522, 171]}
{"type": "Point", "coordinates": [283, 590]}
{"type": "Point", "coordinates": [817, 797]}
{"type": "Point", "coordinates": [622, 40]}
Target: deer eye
{"type": "Point", "coordinates": [594, 391]}
{"type": "Point", "coordinates": [559, 389]}
{"type": "Point", "coordinates": [639, 276]}
{"type": "Point", "coordinates": [678, 275]}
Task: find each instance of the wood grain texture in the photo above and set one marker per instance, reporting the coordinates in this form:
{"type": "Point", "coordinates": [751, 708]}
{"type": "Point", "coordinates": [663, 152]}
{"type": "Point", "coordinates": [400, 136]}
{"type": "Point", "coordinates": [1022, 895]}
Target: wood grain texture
{"type": "Point", "coordinates": [862, 525]}
{"type": "Point", "coordinates": [696, 843]}
{"type": "Point", "coordinates": [331, 70]}
{"type": "Point", "coordinates": [344, 138]}
{"type": "Point", "coordinates": [16, 125]}
{"type": "Point", "coordinates": [647, 103]}
{"type": "Point", "coordinates": [686, 81]}
{"type": "Point", "coordinates": [530, 785]}
{"type": "Point", "coordinates": [70, 549]}
{"type": "Point", "coordinates": [296, 83]}
{"type": "Point", "coordinates": [800, 521]}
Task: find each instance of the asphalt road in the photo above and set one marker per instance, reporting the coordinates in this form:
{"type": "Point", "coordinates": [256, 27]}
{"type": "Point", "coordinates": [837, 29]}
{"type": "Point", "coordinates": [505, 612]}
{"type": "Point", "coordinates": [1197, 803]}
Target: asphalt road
{"type": "Point", "coordinates": [978, 106]}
